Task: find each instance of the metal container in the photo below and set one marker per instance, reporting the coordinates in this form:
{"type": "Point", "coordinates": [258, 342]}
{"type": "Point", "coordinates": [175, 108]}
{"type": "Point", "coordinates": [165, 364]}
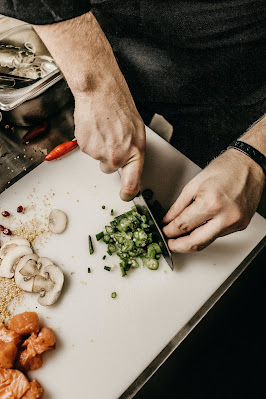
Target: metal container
{"type": "Point", "coordinates": [23, 100]}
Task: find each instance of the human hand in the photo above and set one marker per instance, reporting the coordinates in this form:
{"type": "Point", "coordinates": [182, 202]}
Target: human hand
{"type": "Point", "coordinates": [109, 129]}
{"type": "Point", "coordinates": [108, 126]}
{"type": "Point", "coordinates": [220, 200]}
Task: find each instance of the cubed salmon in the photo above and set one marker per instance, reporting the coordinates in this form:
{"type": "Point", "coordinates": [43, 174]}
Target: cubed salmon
{"type": "Point", "coordinates": [8, 353]}
{"type": "Point", "coordinates": [8, 335]}
{"type": "Point", "coordinates": [35, 391]}
{"type": "Point", "coordinates": [27, 361]}
{"type": "Point", "coordinates": [41, 342]}
{"type": "Point", "coordinates": [25, 323]}
{"type": "Point", "coordinates": [36, 344]}
{"type": "Point", "coordinates": [13, 384]}
{"type": "Point", "coordinates": [8, 347]}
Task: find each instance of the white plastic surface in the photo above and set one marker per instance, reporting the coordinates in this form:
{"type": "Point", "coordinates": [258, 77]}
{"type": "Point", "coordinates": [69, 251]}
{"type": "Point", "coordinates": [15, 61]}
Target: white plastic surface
{"type": "Point", "coordinates": [103, 344]}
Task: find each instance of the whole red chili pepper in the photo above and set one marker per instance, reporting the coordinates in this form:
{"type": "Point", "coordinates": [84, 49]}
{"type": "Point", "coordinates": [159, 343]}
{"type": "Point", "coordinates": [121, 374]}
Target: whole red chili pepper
{"type": "Point", "coordinates": [61, 150]}
{"type": "Point", "coordinates": [34, 132]}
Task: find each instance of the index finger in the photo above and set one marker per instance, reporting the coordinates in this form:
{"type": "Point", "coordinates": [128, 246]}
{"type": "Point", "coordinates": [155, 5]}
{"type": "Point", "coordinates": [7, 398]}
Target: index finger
{"type": "Point", "coordinates": [199, 239]}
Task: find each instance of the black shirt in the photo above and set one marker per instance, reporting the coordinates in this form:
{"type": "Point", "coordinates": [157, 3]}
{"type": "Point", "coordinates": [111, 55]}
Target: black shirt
{"type": "Point", "coordinates": [200, 63]}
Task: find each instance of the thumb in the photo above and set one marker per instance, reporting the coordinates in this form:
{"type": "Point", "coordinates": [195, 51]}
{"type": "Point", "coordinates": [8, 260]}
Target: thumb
{"type": "Point", "coordinates": [130, 179]}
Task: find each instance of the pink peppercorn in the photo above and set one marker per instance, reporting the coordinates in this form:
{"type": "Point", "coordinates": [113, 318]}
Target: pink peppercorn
{"type": "Point", "coordinates": [20, 209]}
{"type": "Point", "coordinates": [7, 232]}
{"type": "Point", "coordinates": [5, 214]}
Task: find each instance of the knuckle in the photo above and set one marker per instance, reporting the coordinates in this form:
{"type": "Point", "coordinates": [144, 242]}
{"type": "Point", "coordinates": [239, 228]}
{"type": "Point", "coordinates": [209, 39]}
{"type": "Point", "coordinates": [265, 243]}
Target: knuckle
{"type": "Point", "coordinates": [183, 226]}
{"type": "Point", "coordinates": [214, 202]}
{"type": "Point", "coordinates": [243, 224]}
{"type": "Point", "coordinates": [115, 160]}
{"type": "Point", "coordinates": [197, 247]}
{"type": "Point", "coordinates": [238, 217]}
{"type": "Point", "coordinates": [96, 155]}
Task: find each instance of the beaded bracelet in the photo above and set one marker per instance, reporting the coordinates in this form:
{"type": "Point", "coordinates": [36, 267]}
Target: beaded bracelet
{"type": "Point", "coordinates": [250, 151]}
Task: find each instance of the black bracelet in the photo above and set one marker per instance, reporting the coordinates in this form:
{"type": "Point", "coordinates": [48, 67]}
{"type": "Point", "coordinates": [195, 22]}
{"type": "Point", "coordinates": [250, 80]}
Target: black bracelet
{"type": "Point", "coordinates": [250, 151]}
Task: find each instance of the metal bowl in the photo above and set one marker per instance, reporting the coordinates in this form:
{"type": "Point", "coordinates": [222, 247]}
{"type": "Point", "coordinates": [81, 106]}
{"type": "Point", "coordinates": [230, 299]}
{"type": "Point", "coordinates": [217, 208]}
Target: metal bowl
{"type": "Point", "coordinates": [26, 101]}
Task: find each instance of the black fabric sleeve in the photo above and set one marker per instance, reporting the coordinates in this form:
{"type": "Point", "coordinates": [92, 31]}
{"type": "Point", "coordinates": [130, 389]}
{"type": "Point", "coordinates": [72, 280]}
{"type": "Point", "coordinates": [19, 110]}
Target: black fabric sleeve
{"type": "Point", "coordinates": [40, 12]}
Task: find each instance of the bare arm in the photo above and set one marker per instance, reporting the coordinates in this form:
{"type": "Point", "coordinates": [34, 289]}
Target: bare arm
{"type": "Point", "coordinates": [108, 126]}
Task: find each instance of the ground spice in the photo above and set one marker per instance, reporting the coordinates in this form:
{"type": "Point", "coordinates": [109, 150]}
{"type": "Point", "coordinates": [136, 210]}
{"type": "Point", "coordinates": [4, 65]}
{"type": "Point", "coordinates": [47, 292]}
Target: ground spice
{"type": "Point", "coordinates": [31, 230]}
{"type": "Point", "coordinates": [10, 297]}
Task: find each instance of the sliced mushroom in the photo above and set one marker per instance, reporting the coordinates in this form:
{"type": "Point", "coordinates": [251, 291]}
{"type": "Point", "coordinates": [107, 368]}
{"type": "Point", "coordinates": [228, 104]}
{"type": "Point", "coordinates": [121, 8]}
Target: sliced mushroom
{"type": "Point", "coordinates": [8, 264]}
{"type": "Point", "coordinates": [42, 284]}
{"type": "Point", "coordinates": [49, 287]}
{"type": "Point", "coordinates": [57, 221]}
{"type": "Point", "coordinates": [12, 244]}
{"type": "Point", "coordinates": [43, 262]}
{"type": "Point", "coordinates": [26, 271]}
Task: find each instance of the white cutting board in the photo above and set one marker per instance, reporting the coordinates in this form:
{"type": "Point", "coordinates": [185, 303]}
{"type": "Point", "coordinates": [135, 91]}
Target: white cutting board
{"type": "Point", "coordinates": [104, 343]}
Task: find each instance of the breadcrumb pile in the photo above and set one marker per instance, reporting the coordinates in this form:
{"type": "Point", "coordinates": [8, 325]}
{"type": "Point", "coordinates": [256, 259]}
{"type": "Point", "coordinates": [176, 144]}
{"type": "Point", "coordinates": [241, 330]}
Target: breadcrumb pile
{"type": "Point", "coordinates": [10, 295]}
{"type": "Point", "coordinates": [31, 230]}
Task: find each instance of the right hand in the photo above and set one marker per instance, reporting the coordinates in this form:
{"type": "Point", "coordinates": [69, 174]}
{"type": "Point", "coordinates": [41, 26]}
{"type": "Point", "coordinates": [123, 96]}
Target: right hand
{"type": "Point", "coordinates": [109, 128]}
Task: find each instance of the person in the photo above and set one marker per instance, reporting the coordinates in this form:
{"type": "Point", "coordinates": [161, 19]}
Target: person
{"type": "Point", "coordinates": [199, 63]}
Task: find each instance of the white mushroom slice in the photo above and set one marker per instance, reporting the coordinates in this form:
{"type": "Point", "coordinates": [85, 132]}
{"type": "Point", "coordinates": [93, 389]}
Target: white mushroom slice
{"type": "Point", "coordinates": [50, 287]}
{"type": "Point", "coordinates": [8, 264]}
{"type": "Point", "coordinates": [26, 271]}
{"type": "Point", "coordinates": [12, 244]}
{"type": "Point", "coordinates": [57, 221]}
{"type": "Point", "coordinates": [42, 263]}
{"type": "Point", "coordinates": [42, 284]}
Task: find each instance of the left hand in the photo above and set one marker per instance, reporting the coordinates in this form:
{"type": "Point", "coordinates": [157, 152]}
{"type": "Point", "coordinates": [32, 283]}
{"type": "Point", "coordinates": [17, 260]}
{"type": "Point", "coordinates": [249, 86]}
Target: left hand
{"type": "Point", "coordinates": [220, 200]}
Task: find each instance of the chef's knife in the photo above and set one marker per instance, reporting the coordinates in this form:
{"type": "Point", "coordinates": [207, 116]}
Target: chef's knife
{"type": "Point", "coordinates": [139, 201]}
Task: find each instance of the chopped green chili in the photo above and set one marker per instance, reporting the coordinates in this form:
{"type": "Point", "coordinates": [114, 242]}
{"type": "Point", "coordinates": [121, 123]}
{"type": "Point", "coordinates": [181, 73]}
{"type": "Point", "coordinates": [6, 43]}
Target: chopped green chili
{"type": "Point", "coordinates": [103, 206]}
{"type": "Point", "coordinates": [109, 229]}
{"type": "Point", "coordinates": [99, 236]}
{"type": "Point", "coordinates": [114, 294]}
{"type": "Point", "coordinates": [90, 245]}
{"type": "Point", "coordinates": [111, 247]}
{"type": "Point", "coordinates": [89, 269]}
{"type": "Point", "coordinates": [104, 257]}
{"type": "Point", "coordinates": [121, 264]}
{"type": "Point", "coordinates": [106, 238]}
{"type": "Point", "coordinates": [108, 268]}
{"type": "Point", "coordinates": [134, 237]}
{"type": "Point", "coordinates": [112, 211]}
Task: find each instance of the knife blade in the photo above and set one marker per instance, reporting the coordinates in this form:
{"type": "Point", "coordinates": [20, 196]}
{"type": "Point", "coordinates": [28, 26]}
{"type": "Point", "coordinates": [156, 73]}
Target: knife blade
{"type": "Point", "coordinates": [139, 201]}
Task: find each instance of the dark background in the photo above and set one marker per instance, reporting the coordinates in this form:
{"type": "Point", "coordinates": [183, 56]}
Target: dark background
{"type": "Point", "coordinates": [224, 356]}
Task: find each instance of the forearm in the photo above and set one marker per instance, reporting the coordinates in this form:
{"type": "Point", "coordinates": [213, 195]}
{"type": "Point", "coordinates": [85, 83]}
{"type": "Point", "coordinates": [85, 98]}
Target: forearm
{"type": "Point", "coordinates": [82, 52]}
